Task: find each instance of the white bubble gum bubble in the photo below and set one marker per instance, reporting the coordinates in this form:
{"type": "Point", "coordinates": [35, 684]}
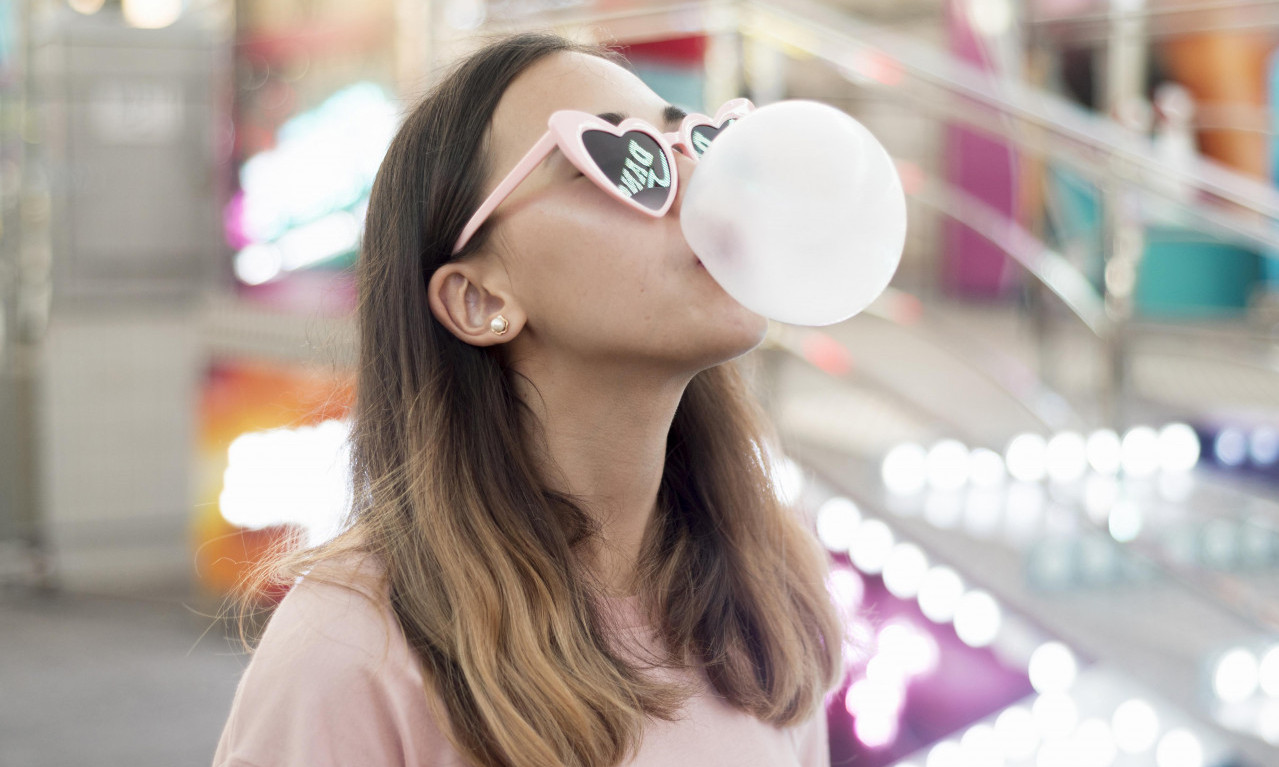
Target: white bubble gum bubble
{"type": "Point", "coordinates": [797, 211]}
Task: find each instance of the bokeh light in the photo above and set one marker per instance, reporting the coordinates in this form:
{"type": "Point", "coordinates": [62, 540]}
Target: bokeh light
{"type": "Point", "coordinates": [1235, 676]}
{"type": "Point", "coordinates": [939, 594]}
{"type": "Point", "coordinates": [151, 14]}
{"type": "Point", "coordinates": [1136, 726]}
{"type": "Point", "coordinates": [1263, 446]}
{"type": "Point", "coordinates": [1178, 447]}
{"type": "Point", "coordinates": [1015, 729]}
{"type": "Point", "coordinates": [289, 476]}
{"type": "Point", "coordinates": [1268, 672]}
{"type": "Point", "coordinates": [1052, 668]}
{"type": "Point", "coordinates": [847, 589]}
{"type": "Point", "coordinates": [905, 569]}
{"type": "Point", "coordinates": [1066, 457]}
{"type": "Point", "coordinates": [1094, 744]}
{"type": "Point", "coordinates": [1104, 451]}
{"type": "Point", "coordinates": [1026, 457]}
{"type": "Point", "coordinates": [947, 465]}
{"type": "Point", "coordinates": [905, 469]}
{"type": "Point", "coordinates": [1139, 452]}
{"type": "Point", "coordinates": [1055, 714]}
{"type": "Point", "coordinates": [1179, 748]}
{"type": "Point", "coordinates": [871, 546]}
{"type": "Point", "coordinates": [1230, 447]}
{"type": "Point", "coordinates": [837, 522]}
{"type": "Point", "coordinates": [977, 619]}
{"type": "Point", "coordinates": [986, 468]}
{"type": "Point", "coordinates": [1125, 521]}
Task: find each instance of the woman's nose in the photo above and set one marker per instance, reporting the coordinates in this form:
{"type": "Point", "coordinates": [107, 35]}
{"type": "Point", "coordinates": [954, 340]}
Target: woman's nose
{"type": "Point", "coordinates": [684, 166]}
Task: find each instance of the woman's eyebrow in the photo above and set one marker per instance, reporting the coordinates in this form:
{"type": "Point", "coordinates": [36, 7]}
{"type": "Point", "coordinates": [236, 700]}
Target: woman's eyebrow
{"type": "Point", "coordinates": [670, 114]}
{"type": "Point", "coordinates": [673, 114]}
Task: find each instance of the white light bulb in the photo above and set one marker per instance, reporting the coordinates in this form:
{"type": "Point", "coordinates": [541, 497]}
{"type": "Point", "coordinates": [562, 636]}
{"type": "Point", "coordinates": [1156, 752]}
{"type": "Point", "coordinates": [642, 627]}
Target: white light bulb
{"type": "Point", "coordinates": [1263, 446]}
{"type": "Point", "coordinates": [258, 263]}
{"type": "Point", "coordinates": [1178, 447]}
{"type": "Point", "coordinates": [905, 469]}
{"type": "Point", "coordinates": [875, 730]}
{"type": "Point", "coordinates": [151, 14]}
{"type": "Point", "coordinates": [871, 545]}
{"type": "Point", "coordinates": [1179, 748]}
{"type": "Point", "coordinates": [1139, 452]}
{"type": "Point", "coordinates": [904, 571]}
{"type": "Point", "coordinates": [1104, 450]}
{"type": "Point", "coordinates": [977, 619]}
{"type": "Point", "coordinates": [1125, 521]}
{"type": "Point", "coordinates": [1066, 457]}
{"type": "Point", "coordinates": [1100, 494]}
{"type": "Point", "coordinates": [1136, 726]}
{"type": "Point", "coordinates": [907, 649]}
{"type": "Point", "coordinates": [981, 747]}
{"type": "Point", "coordinates": [1055, 715]}
{"type": "Point", "coordinates": [1026, 457]}
{"type": "Point", "coordinates": [939, 594]}
{"type": "Point", "coordinates": [986, 468]}
{"type": "Point", "coordinates": [947, 465]}
{"type": "Point", "coordinates": [1094, 744]}
{"type": "Point", "coordinates": [1235, 676]}
{"type": "Point", "coordinates": [1052, 668]}
{"type": "Point", "coordinates": [1015, 728]}
{"type": "Point", "coordinates": [86, 7]}
{"type": "Point", "coordinates": [947, 753]}
{"type": "Point", "coordinates": [847, 589]}
{"type": "Point", "coordinates": [837, 523]}
{"type": "Point", "coordinates": [1230, 447]}
{"type": "Point", "coordinates": [1268, 672]}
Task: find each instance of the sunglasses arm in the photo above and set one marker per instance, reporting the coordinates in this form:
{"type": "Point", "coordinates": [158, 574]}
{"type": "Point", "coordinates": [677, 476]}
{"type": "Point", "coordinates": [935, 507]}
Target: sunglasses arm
{"type": "Point", "coordinates": [522, 169]}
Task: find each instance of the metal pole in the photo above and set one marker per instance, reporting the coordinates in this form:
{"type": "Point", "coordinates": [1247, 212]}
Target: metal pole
{"type": "Point", "coordinates": [1122, 236]}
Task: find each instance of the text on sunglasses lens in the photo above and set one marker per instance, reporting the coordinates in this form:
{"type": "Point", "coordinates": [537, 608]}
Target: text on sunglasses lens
{"type": "Point", "coordinates": [634, 162]}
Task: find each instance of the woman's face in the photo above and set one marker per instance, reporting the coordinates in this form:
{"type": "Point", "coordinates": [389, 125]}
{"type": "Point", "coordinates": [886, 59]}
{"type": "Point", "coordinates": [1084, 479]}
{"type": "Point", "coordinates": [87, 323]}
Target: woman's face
{"type": "Point", "coordinates": [595, 279]}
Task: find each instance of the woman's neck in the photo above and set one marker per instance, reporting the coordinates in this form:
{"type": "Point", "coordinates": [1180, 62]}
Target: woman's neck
{"type": "Point", "coordinates": [603, 441]}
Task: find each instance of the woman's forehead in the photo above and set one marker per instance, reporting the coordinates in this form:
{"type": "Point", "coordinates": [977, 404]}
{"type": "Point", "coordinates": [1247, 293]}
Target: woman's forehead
{"type": "Point", "coordinates": [566, 80]}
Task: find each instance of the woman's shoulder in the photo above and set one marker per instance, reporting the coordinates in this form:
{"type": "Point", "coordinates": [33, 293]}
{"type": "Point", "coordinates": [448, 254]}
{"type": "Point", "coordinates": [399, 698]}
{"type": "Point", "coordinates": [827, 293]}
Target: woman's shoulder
{"type": "Point", "coordinates": [338, 611]}
{"type": "Point", "coordinates": [333, 681]}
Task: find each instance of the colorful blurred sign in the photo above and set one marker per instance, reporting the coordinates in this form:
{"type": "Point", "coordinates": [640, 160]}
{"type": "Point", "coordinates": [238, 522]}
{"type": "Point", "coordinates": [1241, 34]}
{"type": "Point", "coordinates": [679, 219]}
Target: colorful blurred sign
{"type": "Point", "coordinates": [271, 466]}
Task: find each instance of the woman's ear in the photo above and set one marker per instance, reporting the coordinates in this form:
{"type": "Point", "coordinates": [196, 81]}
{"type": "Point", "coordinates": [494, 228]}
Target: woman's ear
{"type": "Point", "coordinates": [466, 298]}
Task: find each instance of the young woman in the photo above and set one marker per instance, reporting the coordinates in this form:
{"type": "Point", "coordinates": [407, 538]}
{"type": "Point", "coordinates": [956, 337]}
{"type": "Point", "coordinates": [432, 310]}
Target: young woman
{"type": "Point", "coordinates": [565, 549]}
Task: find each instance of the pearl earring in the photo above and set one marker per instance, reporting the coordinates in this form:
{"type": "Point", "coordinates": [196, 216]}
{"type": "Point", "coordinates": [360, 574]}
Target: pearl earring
{"type": "Point", "coordinates": [499, 325]}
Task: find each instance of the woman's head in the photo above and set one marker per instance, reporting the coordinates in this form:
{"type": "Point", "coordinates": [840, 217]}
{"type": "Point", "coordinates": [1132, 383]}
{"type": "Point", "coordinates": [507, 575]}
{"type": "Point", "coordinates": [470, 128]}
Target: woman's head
{"type": "Point", "coordinates": [484, 558]}
{"type": "Point", "coordinates": [578, 275]}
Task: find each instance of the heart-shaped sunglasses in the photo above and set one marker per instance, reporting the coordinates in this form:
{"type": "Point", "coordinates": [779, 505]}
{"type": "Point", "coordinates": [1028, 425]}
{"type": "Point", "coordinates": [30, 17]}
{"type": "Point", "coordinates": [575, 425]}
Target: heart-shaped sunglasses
{"type": "Point", "coordinates": [632, 161]}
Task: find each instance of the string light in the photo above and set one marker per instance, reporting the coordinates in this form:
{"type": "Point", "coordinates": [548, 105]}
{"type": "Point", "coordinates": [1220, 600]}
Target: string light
{"type": "Point", "coordinates": [905, 469]}
{"type": "Point", "coordinates": [1052, 668]}
{"type": "Point", "coordinates": [1136, 726]}
{"type": "Point", "coordinates": [871, 546]}
{"type": "Point", "coordinates": [1179, 748]}
{"type": "Point", "coordinates": [939, 594]}
{"type": "Point", "coordinates": [837, 522]}
{"type": "Point", "coordinates": [1236, 676]}
{"type": "Point", "coordinates": [1026, 457]}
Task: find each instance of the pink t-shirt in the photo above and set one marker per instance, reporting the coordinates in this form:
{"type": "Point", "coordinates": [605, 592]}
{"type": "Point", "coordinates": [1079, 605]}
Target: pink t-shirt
{"type": "Point", "coordinates": [333, 682]}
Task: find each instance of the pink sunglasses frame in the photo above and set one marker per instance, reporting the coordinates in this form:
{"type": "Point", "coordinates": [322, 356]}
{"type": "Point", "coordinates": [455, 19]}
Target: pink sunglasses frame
{"type": "Point", "coordinates": [564, 130]}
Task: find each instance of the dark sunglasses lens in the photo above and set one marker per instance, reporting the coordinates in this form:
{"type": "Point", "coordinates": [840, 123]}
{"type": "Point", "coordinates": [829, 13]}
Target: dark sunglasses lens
{"type": "Point", "coordinates": [634, 163]}
{"type": "Point", "coordinates": [703, 135]}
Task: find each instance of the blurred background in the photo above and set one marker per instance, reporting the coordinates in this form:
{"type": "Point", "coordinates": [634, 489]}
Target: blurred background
{"type": "Point", "coordinates": [1045, 462]}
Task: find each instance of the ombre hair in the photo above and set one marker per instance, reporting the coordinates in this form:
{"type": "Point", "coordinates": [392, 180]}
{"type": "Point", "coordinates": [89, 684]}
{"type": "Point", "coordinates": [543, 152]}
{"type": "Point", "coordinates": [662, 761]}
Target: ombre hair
{"type": "Point", "coordinates": [484, 562]}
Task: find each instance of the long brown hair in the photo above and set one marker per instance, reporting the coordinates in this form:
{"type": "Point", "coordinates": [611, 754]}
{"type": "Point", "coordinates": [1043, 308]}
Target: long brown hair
{"type": "Point", "coordinates": [484, 563]}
